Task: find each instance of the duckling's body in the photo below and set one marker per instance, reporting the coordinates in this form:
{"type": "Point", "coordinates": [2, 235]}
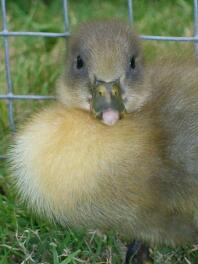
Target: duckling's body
{"type": "Point", "coordinates": [72, 167]}
{"type": "Point", "coordinates": [81, 171]}
{"type": "Point", "coordinates": [138, 177]}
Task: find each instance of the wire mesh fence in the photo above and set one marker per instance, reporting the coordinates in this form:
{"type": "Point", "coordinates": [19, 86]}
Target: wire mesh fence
{"type": "Point", "coordinates": [9, 97]}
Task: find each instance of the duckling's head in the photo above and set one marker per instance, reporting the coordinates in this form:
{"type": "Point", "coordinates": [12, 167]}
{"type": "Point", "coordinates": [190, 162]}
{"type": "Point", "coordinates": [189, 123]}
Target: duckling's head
{"type": "Point", "coordinates": [103, 71]}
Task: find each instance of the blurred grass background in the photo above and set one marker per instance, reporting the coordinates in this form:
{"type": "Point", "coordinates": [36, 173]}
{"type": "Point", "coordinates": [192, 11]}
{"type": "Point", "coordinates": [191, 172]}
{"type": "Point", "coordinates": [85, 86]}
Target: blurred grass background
{"type": "Point", "coordinates": [36, 63]}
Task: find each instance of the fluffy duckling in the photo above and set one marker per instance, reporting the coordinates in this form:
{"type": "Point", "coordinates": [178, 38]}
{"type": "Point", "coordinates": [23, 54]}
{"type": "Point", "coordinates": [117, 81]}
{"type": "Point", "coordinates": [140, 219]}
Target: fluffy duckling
{"type": "Point", "coordinates": [120, 149]}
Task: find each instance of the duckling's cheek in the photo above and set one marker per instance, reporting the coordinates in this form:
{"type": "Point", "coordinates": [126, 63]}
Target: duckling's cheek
{"type": "Point", "coordinates": [85, 106]}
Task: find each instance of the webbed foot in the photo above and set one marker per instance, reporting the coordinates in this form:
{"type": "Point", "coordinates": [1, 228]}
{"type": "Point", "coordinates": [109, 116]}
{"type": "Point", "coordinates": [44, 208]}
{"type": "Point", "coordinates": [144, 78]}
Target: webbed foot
{"type": "Point", "coordinates": [138, 253]}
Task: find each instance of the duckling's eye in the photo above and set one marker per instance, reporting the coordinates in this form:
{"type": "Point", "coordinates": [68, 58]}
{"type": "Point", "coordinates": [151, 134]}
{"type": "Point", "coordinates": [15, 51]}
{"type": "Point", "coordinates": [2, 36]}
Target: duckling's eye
{"type": "Point", "coordinates": [79, 62]}
{"type": "Point", "coordinates": [132, 62]}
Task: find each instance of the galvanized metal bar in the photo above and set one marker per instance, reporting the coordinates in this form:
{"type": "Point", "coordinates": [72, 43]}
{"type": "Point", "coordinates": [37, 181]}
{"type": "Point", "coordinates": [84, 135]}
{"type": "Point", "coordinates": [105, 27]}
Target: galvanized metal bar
{"type": "Point", "coordinates": [66, 34]}
{"type": "Point", "coordinates": [196, 25]}
{"type": "Point", "coordinates": [161, 38]}
{"type": "Point", "coordinates": [130, 11]}
{"type": "Point", "coordinates": [7, 67]}
{"type": "Point", "coordinates": [26, 97]}
{"type": "Point", "coordinates": [33, 34]}
{"type": "Point", "coordinates": [65, 15]}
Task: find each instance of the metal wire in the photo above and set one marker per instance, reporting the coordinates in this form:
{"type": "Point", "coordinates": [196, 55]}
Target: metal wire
{"type": "Point", "coordinates": [5, 34]}
{"type": "Point", "coordinates": [33, 34]}
{"type": "Point", "coordinates": [180, 39]}
{"type": "Point", "coordinates": [65, 15]}
{"type": "Point", "coordinates": [130, 11]}
{"type": "Point", "coordinates": [25, 97]}
{"type": "Point", "coordinates": [7, 67]}
{"type": "Point", "coordinates": [196, 25]}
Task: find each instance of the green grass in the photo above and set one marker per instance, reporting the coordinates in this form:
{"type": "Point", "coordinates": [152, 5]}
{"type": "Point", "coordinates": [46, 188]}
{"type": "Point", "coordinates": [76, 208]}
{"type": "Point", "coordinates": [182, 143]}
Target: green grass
{"type": "Point", "coordinates": [36, 64]}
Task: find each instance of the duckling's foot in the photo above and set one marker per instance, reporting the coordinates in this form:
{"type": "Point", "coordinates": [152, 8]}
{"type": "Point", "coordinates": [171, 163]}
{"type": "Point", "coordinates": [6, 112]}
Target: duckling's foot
{"type": "Point", "coordinates": [138, 253]}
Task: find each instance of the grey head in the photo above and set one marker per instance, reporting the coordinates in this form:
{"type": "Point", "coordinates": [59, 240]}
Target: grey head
{"type": "Point", "coordinates": [103, 70]}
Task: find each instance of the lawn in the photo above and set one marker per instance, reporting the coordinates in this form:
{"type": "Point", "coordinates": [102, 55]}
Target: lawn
{"type": "Point", "coordinates": [36, 64]}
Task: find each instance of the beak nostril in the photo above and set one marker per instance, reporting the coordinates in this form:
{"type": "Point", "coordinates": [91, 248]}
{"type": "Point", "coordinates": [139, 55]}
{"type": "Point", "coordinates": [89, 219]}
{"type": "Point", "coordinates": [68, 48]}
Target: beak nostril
{"type": "Point", "coordinates": [115, 91]}
{"type": "Point", "coordinates": [101, 90]}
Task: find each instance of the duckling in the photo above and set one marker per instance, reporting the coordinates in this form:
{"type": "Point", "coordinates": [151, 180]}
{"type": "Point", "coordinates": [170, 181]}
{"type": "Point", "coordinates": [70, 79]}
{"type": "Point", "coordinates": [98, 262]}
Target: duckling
{"type": "Point", "coordinates": [119, 150]}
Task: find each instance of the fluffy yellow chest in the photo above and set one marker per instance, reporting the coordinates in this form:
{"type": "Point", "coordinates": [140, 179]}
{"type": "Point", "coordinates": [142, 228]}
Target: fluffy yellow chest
{"type": "Point", "coordinates": [65, 158]}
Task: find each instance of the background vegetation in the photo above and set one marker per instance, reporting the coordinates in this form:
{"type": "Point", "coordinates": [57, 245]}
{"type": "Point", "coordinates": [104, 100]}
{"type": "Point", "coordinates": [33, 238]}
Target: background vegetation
{"type": "Point", "coordinates": [36, 64]}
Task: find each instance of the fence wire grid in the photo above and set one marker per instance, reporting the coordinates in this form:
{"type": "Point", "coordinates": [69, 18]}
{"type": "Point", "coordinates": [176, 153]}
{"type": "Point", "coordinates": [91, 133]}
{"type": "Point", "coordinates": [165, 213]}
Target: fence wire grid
{"type": "Point", "coordinates": [5, 34]}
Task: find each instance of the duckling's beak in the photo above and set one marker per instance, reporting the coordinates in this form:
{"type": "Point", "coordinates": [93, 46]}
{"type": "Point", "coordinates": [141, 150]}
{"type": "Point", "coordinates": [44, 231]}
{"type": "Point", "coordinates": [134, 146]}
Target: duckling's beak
{"type": "Point", "coordinates": [106, 101]}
